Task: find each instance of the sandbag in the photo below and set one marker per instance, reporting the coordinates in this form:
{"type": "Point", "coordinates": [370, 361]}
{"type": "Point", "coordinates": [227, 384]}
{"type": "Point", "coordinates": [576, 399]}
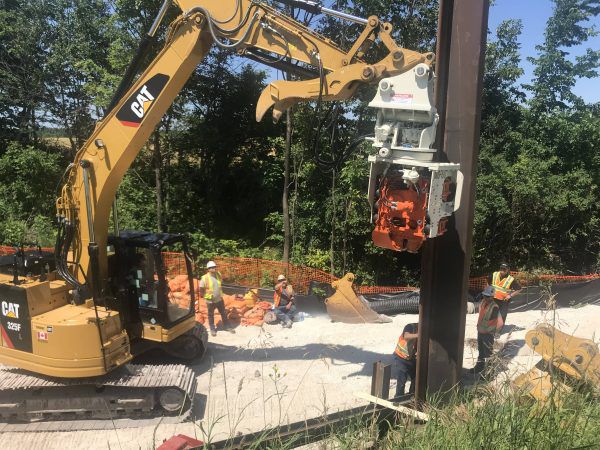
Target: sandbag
{"type": "Point", "coordinates": [270, 317]}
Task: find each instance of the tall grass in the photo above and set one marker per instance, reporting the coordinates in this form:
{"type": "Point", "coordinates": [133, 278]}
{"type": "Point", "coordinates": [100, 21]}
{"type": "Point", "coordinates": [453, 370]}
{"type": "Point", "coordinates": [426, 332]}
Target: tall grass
{"type": "Point", "coordinates": [486, 419]}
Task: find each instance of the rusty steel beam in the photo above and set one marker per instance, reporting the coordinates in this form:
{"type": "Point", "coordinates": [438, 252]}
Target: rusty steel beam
{"type": "Point", "coordinates": [446, 260]}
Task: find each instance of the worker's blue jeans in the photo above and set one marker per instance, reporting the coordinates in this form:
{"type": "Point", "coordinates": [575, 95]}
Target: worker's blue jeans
{"type": "Point", "coordinates": [285, 315]}
{"type": "Point", "coordinates": [405, 369]}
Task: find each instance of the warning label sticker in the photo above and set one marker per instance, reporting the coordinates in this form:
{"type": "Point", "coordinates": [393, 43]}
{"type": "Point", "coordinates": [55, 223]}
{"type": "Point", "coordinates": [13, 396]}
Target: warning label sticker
{"type": "Point", "coordinates": [405, 99]}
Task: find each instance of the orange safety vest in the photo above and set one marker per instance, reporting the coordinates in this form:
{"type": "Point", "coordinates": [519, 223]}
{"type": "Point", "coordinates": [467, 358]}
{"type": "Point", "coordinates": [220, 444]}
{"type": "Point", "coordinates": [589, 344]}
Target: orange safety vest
{"type": "Point", "coordinates": [277, 296]}
{"type": "Point", "coordinates": [209, 285]}
{"type": "Point", "coordinates": [489, 319]}
{"type": "Point", "coordinates": [501, 286]}
{"type": "Point", "coordinates": [405, 349]}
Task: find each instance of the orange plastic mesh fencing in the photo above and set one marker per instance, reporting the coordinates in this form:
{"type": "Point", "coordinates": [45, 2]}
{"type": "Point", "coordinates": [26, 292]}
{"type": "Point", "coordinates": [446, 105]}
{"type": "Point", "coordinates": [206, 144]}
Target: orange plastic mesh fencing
{"type": "Point", "coordinates": [8, 250]}
{"type": "Point", "coordinates": [174, 263]}
{"type": "Point", "coordinates": [528, 279]}
{"type": "Point", "coordinates": [261, 272]}
{"type": "Point", "coordinates": [253, 272]}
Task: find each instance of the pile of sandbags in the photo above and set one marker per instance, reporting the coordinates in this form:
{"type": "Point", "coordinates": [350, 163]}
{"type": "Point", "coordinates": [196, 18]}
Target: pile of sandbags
{"type": "Point", "coordinates": [245, 310]}
{"type": "Point", "coordinates": [256, 315]}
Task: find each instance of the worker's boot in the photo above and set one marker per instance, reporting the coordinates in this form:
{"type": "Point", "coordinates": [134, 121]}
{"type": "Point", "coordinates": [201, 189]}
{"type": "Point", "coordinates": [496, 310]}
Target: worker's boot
{"type": "Point", "coordinates": [213, 332]}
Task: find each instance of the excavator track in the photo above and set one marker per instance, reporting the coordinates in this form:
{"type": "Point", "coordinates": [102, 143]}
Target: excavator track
{"type": "Point", "coordinates": [133, 391]}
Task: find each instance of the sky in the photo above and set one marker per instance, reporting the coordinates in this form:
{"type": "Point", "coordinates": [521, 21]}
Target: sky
{"type": "Point", "coordinates": [534, 14]}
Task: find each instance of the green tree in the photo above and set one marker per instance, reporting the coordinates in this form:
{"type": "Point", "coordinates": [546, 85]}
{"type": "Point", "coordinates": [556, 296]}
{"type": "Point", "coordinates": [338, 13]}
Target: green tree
{"type": "Point", "coordinates": [555, 74]}
{"type": "Point", "coordinates": [27, 193]}
{"type": "Point", "coordinates": [24, 39]}
{"type": "Point", "coordinates": [76, 62]}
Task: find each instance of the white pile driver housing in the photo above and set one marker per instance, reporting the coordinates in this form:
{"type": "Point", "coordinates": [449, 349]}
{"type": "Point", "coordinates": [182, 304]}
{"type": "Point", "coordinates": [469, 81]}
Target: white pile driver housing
{"type": "Point", "coordinates": [405, 132]}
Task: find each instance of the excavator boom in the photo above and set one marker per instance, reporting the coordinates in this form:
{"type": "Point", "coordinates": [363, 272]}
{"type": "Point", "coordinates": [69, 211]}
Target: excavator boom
{"type": "Point", "coordinates": [84, 321]}
{"type": "Point", "coordinates": [243, 26]}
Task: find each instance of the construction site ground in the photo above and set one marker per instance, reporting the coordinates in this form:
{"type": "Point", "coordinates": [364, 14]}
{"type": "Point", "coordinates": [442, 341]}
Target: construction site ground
{"type": "Point", "coordinates": [261, 377]}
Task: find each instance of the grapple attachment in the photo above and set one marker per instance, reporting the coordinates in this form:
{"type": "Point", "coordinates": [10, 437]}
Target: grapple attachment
{"type": "Point", "coordinates": [562, 354]}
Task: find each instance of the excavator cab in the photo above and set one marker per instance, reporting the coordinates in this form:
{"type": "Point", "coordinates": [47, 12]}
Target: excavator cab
{"type": "Point", "coordinates": [139, 279]}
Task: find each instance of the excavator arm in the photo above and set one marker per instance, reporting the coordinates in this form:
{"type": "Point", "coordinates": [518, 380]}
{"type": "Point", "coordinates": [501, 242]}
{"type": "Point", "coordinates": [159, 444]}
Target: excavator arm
{"type": "Point", "coordinates": [250, 28]}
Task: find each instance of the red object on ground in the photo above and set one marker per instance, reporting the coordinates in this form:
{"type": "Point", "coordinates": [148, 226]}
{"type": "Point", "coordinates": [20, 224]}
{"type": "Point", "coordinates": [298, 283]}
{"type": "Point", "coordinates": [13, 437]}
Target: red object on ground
{"type": "Point", "coordinates": [181, 442]}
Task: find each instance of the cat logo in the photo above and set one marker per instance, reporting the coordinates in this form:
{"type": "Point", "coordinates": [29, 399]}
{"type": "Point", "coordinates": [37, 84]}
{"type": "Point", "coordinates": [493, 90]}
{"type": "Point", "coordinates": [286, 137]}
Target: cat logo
{"type": "Point", "coordinates": [10, 310]}
{"type": "Point", "coordinates": [143, 101]}
{"type": "Point", "coordinates": [140, 102]}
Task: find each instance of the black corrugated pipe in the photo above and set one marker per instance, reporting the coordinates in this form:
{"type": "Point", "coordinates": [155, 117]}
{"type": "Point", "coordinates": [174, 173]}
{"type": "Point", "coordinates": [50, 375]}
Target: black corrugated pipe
{"type": "Point", "coordinates": [402, 304]}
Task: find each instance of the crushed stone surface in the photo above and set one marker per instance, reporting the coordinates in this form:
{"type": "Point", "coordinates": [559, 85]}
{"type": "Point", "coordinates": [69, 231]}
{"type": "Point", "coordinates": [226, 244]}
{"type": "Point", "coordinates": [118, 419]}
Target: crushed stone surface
{"type": "Point", "coordinates": [261, 377]}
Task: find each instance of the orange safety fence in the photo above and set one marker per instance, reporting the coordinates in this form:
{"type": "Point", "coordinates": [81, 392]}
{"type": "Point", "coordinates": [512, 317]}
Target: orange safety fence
{"type": "Point", "coordinates": [9, 250]}
{"type": "Point", "coordinates": [528, 279]}
{"type": "Point", "coordinates": [253, 272]}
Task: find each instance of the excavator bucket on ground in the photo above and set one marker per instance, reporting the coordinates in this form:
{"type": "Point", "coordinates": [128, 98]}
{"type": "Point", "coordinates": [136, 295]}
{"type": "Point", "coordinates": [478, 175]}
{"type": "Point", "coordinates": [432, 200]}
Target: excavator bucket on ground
{"type": "Point", "coordinates": [348, 307]}
{"type": "Point", "coordinates": [563, 354]}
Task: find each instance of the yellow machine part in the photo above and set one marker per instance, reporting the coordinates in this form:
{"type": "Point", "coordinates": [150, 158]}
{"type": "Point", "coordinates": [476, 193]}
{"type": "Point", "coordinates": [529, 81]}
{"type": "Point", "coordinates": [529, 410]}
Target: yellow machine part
{"type": "Point", "coordinates": [539, 384]}
{"type": "Point", "coordinates": [579, 358]}
{"type": "Point", "coordinates": [157, 333]}
{"type": "Point", "coordinates": [56, 338]}
{"type": "Point", "coordinates": [347, 307]}
{"type": "Point", "coordinates": [576, 357]}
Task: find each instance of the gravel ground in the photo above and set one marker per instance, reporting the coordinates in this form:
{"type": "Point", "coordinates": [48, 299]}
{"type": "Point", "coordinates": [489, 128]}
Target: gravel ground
{"type": "Point", "coordinates": [261, 377]}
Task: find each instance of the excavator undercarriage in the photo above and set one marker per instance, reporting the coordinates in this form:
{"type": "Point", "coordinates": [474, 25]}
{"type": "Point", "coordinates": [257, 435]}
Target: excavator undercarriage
{"type": "Point", "coordinates": [130, 391]}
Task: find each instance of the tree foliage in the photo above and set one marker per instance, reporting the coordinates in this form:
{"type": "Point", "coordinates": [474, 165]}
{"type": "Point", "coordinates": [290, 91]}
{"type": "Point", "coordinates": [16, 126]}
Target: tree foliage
{"type": "Point", "coordinates": [221, 173]}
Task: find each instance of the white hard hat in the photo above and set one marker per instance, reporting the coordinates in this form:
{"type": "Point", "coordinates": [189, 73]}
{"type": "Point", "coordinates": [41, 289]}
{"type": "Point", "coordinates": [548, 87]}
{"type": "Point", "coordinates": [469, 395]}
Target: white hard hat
{"type": "Point", "coordinates": [281, 277]}
{"type": "Point", "coordinates": [211, 264]}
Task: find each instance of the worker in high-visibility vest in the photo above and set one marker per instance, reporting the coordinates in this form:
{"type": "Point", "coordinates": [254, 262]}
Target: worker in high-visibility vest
{"type": "Point", "coordinates": [210, 291]}
{"type": "Point", "coordinates": [405, 358]}
{"type": "Point", "coordinates": [505, 288]}
{"type": "Point", "coordinates": [284, 301]}
{"type": "Point", "coordinates": [489, 323]}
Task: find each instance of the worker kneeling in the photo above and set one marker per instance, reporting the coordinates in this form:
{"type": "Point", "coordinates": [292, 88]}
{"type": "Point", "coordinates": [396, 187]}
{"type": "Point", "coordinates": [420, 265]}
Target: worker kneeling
{"type": "Point", "coordinates": [284, 304]}
{"type": "Point", "coordinates": [405, 358]}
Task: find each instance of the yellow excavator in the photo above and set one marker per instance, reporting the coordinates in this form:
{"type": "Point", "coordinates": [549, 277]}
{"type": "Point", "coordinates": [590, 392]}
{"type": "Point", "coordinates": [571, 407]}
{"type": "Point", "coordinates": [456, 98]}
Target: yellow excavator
{"type": "Point", "coordinates": [71, 322]}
